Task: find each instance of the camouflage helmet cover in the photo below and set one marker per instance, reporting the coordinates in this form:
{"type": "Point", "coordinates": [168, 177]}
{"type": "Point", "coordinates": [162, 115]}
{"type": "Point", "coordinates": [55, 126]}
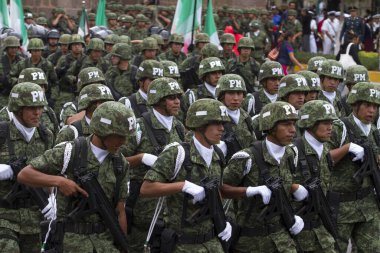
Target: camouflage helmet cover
{"type": "Point", "coordinates": [356, 73]}
{"type": "Point", "coordinates": [171, 69]}
{"type": "Point", "coordinates": [11, 41]}
{"type": "Point", "coordinates": [112, 39]}
{"type": "Point", "coordinates": [122, 50]}
{"type": "Point", "coordinates": [113, 118]}
{"type": "Point", "coordinates": [364, 91]}
{"type": "Point", "coordinates": [315, 62]}
{"type": "Point", "coordinates": [331, 68]}
{"type": "Point", "coordinates": [65, 39]}
{"type": "Point", "coordinates": [245, 42]}
{"type": "Point", "coordinates": [95, 44]}
{"type": "Point", "coordinates": [151, 69]}
{"type": "Point", "coordinates": [140, 18]}
{"type": "Point", "coordinates": [275, 112]}
{"type": "Point", "coordinates": [313, 80]}
{"type": "Point", "coordinates": [205, 111]}
{"type": "Point", "coordinates": [162, 87]}
{"type": "Point", "coordinates": [314, 111]}
{"type": "Point", "coordinates": [88, 76]}
{"type": "Point", "coordinates": [33, 75]}
{"type": "Point", "coordinates": [35, 44]}
{"type": "Point", "coordinates": [230, 82]}
{"type": "Point", "coordinates": [210, 50]}
{"type": "Point", "coordinates": [92, 93]}
{"type": "Point", "coordinates": [125, 39]}
{"type": "Point", "coordinates": [292, 83]}
{"type": "Point", "coordinates": [227, 38]}
{"type": "Point", "coordinates": [209, 65]}
{"type": "Point", "coordinates": [26, 94]}
{"type": "Point", "coordinates": [202, 37]}
{"type": "Point", "coordinates": [149, 43]}
{"type": "Point", "coordinates": [176, 38]}
{"type": "Point", "coordinates": [270, 69]}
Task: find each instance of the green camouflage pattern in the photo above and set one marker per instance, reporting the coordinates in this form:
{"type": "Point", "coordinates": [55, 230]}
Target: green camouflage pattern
{"type": "Point", "coordinates": [112, 39]}
{"type": "Point", "coordinates": [292, 83]}
{"type": "Point", "coordinates": [68, 134]}
{"type": "Point", "coordinates": [158, 38]}
{"type": "Point", "coordinates": [210, 50]}
{"type": "Point", "coordinates": [230, 82]}
{"type": "Point", "coordinates": [315, 62]}
{"type": "Point", "coordinates": [209, 65]}
{"type": "Point", "coordinates": [170, 69]}
{"type": "Point", "coordinates": [364, 91]}
{"type": "Point", "coordinates": [88, 76]}
{"type": "Point", "coordinates": [245, 42]}
{"type": "Point", "coordinates": [176, 38]}
{"type": "Point", "coordinates": [270, 69]}
{"type": "Point", "coordinates": [150, 69]}
{"type": "Point", "coordinates": [65, 39]}
{"type": "Point", "coordinates": [339, 110]}
{"type": "Point", "coordinates": [92, 93]}
{"type": "Point", "coordinates": [170, 56]}
{"type": "Point", "coordinates": [76, 38]}
{"type": "Point", "coordinates": [120, 80]}
{"type": "Point", "coordinates": [332, 69]}
{"type": "Point", "coordinates": [162, 87]}
{"type": "Point", "coordinates": [149, 43]}
{"type": "Point", "coordinates": [201, 37]}
{"type": "Point", "coordinates": [275, 112]}
{"type": "Point", "coordinates": [355, 74]}
{"type": "Point", "coordinates": [122, 50]}
{"type": "Point", "coordinates": [36, 44]}
{"type": "Point", "coordinates": [33, 75]}
{"type": "Point", "coordinates": [261, 45]}
{"type": "Point", "coordinates": [314, 111]}
{"type": "Point", "coordinates": [26, 94]}
{"type": "Point", "coordinates": [95, 44]}
{"type": "Point", "coordinates": [11, 41]}
{"type": "Point", "coordinates": [313, 80]}
{"type": "Point", "coordinates": [125, 39]}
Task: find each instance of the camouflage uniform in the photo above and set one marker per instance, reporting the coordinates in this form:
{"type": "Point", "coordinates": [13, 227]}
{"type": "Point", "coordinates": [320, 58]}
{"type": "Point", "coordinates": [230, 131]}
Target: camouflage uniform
{"type": "Point", "coordinates": [227, 38]}
{"type": "Point", "coordinates": [199, 38]}
{"type": "Point", "coordinates": [20, 222]}
{"type": "Point", "coordinates": [63, 40]}
{"type": "Point", "coordinates": [122, 122]}
{"type": "Point", "coordinates": [147, 44]}
{"type": "Point", "coordinates": [47, 51]}
{"type": "Point", "coordinates": [105, 64]}
{"type": "Point", "coordinates": [294, 27]}
{"type": "Point", "coordinates": [169, 55]}
{"type": "Point", "coordinates": [62, 25]}
{"type": "Point", "coordinates": [260, 42]}
{"type": "Point", "coordinates": [136, 33]}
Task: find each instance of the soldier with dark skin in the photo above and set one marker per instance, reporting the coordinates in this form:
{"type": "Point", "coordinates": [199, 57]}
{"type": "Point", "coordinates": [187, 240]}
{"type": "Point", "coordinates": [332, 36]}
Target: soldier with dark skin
{"type": "Point", "coordinates": [201, 39]}
{"type": "Point", "coordinates": [314, 83]}
{"type": "Point", "coordinates": [52, 43]}
{"type": "Point", "coordinates": [227, 41]}
{"type": "Point", "coordinates": [149, 50]}
{"type": "Point", "coordinates": [260, 40]}
{"type": "Point", "coordinates": [63, 44]}
{"type": "Point", "coordinates": [109, 43]}
{"type": "Point", "coordinates": [174, 53]}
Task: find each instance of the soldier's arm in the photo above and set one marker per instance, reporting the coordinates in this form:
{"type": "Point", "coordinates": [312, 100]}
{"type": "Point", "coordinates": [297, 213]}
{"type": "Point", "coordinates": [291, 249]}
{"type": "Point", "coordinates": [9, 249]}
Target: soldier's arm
{"type": "Point", "coordinates": [122, 217]}
{"type": "Point", "coordinates": [338, 143]}
{"type": "Point", "coordinates": [14, 73]}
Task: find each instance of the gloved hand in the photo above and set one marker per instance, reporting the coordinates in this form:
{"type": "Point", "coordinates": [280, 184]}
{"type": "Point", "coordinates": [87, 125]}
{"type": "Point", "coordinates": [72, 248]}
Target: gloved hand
{"type": "Point", "coordinates": [6, 172]}
{"type": "Point", "coordinates": [297, 226]}
{"type": "Point", "coordinates": [301, 193]}
{"type": "Point", "coordinates": [50, 210]}
{"type": "Point", "coordinates": [225, 235]}
{"type": "Point", "coordinates": [357, 150]}
{"type": "Point", "coordinates": [263, 190]}
{"type": "Point", "coordinates": [198, 192]}
{"type": "Point", "coordinates": [148, 159]}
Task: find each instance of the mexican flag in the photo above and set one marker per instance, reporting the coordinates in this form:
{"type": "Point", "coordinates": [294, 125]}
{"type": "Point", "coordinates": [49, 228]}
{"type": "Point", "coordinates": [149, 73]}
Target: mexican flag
{"type": "Point", "coordinates": [101, 19]}
{"type": "Point", "coordinates": [17, 21]}
{"type": "Point", "coordinates": [83, 26]}
{"type": "Point", "coordinates": [187, 20]}
{"type": "Point", "coordinates": [210, 27]}
{"type": "Point", "coordinates": [4, 14]}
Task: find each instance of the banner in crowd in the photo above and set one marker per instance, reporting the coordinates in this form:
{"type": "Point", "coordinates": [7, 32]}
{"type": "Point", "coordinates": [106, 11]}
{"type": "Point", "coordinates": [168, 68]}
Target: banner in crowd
{"type": "Point", "coordinates": [17, 21]}
{"type": "Point", "coordinates": [210, 27]}
{"type": "Point", "coordinates": [4, 14]}
{"type": "Point", "coordinates": [83, 26]}
{"type": "Point", "coordinates": [101, 19]}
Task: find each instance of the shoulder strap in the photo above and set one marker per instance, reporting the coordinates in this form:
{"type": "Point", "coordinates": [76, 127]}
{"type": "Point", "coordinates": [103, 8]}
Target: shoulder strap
{"type": "Point", "coordinates": [138, 109]}
{"type": "Point", "coordinates": [248, 122]}
{"type": "Point", "coordinates": [350, 128]}
{"type": "Point", "coordinates": [52, 118]}
{"type": "Point", "coordinates": [132, 77]}
{"type": "Point", "coordinates": [348, 48]}
{"type": "Point", "coordinates": [5, 136]}
{"type": "Point", "coordinates": [157, 137]}
{"type": "Point", "coordinates": [307, 164]}
{"type": "Point", "coordinates": [180, 130]}
{"type": "Point", "coordinates": [188, 166]}
{"type": "Point", "coordinates": [79, 163]}
{"type": "Point", "coordinates": [42, 131]}
{"type": "Point", "coordinates": [257, 151]}
{"type": "Point", "coordinates": [117, 163]}
{"type": "Point", "coordinates": [258, 102]}
{"type": "Point", "coordinates": [78, 125]}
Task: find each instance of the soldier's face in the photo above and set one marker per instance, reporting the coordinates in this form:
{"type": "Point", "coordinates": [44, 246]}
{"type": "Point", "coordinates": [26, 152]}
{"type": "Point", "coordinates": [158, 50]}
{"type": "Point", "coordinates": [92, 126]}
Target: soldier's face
{"type": "Point", "coordinates": [322, 130]}
{"type": "Point", "coordinates": [91, 23]}
{"type": "Point", "coordinates": [213, 77]}
{"type": "Point", "coordinates": [271, 85]}
{"type": "Point", "coordinates": [213, 132]}
{"type": "Point", "coordinates": [108, 47]}
{"type": "Point", "coordinates": [296, 99]}
{"type": "Point", "coordinates": [311, 95]}
{"type": "Point", "coordinates": [228, 47]}
{"type": "Point", "coordinates": [53, 42]}
{"type": "Point", "coordinates": [36, 53]}
{"type": "Point", "coordinates": [283, 133]}
{"type": "Point", "coordinates": [150, 53]}
{"type": "Point", "coordinates": [96, 54]}
{"type": "Point", "coordinates": [112, 22]}
{"type": "Point", "coordinates": [64, 48]}
{"type": "Point", "coordinates": [113, 142]}
{"type": "Point", "coordinates": [245, 52]}
{"type": "Point", "coordinates": [76, 48]}
{"type": "Point", "coordinates": [233, 99]}
{"type": "Point", "coordinates": [176, 47]}
{"type": "Point", "coordinates": [330, 84]}
{"type": "Point", "coordinates": [12, 51]}
{"type": "Point", "coordinates": [145, 84]}
{"type": "Point", "coordinates": [171, 105]}
{"type": "Point", "coordinates": [30, 116]}
{"type": "Point", "coordinates": [115, 60]}
{"type": "Point", "coordinates": [200, 45]}
{"type": "Point", "coordinates": [365, 112]}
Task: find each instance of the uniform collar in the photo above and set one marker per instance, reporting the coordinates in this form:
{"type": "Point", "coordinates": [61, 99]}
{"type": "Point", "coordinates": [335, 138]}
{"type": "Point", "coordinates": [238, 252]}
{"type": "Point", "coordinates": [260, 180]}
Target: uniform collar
{"type": "Point", "coordinates": [143, 94]}
{"type": "Point", "coordinates": [272, 98]}
{"type": "Point", "coordinates": [27, 132]}
{"type": "Point", "coordinates": [365, 128]}
{"type": "Point", "coordinates": [276, 151]}
{"type": "Point", "coordinates": [330, 96]}
{"type": "Point", "coordinates": [166, 121]}
{"type": "Point", "coordinates": [314, 143]}
{"type": "Point", "coordinates": [234, 115]}
{"type": "Point", "coordinates": [205, 153]}
{"type": "Point", "coordinates": [99, 153]}
{"type": "Point", "coordinates": [210, 89]}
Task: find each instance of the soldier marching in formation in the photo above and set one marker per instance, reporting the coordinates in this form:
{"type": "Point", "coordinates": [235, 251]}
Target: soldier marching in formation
{"type": "Point", "coordinates": [121, 142]}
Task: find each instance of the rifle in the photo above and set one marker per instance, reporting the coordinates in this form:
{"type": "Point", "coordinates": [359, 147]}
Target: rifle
{"type": "Point", "coordinates": [318, 204]}
{"type": "Point", "coordinates": [97, 201]}
{"type": "Point", "coordinates": [279, 205]}
{"type": "Point", "coordinates": [370, 168]}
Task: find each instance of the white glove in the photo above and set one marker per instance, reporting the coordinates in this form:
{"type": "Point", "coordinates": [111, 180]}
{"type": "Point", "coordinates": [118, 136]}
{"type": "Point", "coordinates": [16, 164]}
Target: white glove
{"type": "Point", "coordinates": [6, 172]}
{"type": "Point", "coordinates": [198, 192]}
{"type": "Point", "coordinates": [297, 226]}
{"type": "Point", "coordinates": [50, 210]}
{"type": "Point", "coordinates": [263, 190]}
{"type": "Point", "coordinates": [357, 150]}
{"type": "Point", "coordinates": [148, 159]}
{"type": "Point", "coordinates": [301, 193]}
{"type": "Point", "coordinates": [225, 235]}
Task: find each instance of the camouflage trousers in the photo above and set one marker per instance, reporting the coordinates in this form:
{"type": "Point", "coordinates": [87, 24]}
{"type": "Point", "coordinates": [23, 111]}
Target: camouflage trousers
{"type": "Point", "coordinates": [276, 242]}
{"type": "Point", "coordinates": [136, 240]}
{"type": "Point", "coordinates": [100, 243]}
{"type": "Point", "coordinates": [13, 242]}
{"type": "Point", "coordinates": [212, 246]}
{"type": "Point", "coordinates": [317, 240]}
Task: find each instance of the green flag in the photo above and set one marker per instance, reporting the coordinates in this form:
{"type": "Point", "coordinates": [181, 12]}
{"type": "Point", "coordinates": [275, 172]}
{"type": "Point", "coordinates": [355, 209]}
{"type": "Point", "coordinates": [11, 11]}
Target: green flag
{"type": "Point", "coordinates": [4, 14]}
{"type": "Point", "coordinates": [210, 27]}
{"type": "Point", "coordinates": [101, 19]}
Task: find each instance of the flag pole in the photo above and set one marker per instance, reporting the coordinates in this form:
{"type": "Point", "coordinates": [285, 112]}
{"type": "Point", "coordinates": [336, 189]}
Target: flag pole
{"type": "Point", "coordinates": [191, 46]}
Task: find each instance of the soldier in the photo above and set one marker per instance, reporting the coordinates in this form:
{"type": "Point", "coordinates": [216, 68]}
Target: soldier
{"type": "Point", "coordinates": [149, 51]}
{"type": "Point", "coordinates": [138, 32]}
{"type": "Point", "coordinates": [293, 89]}
{"type": "Point", "coordinates": [331, 73]}
{"type": "Point", "coordinates": [314, 162]}
{"type": "Point", "coordinates": [100, 158]}
{"type": "Point", "coordinates": [205, 117]}
{"type": "Point", "coordinates": [42, 21]}
{"type": "Point", "coordinates": [314, 83]}
{"type": "Point", "coordinates": [35, 48]}
{"type": "Point", "coordinates": [201, 40]}
{"type": "Point", "coordinates": [90, 97]}
{"type": "Point", "coordinates": [353, 23]}
{"type": "Point", "coordinates": [160, 43]}
{"type": "Point", "coordinates": [292, 25]}
{"type": "Point", "coordinates": [120, 78]}
{"type": "Point", "coordinates": [238, 133]}
{"type": "Point", "coordinates": [126, 23]}
{"type": "Point", "coordinates": [63, 43]}
{"type": "Point", "coordinates": [354, 201]}
{"type": "Point", "coordinates": [267, 24]}
{"type": "Point", "coordinates": [174, 54]}
{"type": "Point", "coordinates": [91, 19]}
{"type": "Point", "coordinates": [210, 71]}
{"type": "Point", "coordinates": [52, 43]}
{"type": "Point", "coordinates": [246, 176]}
{"type": "Point", "coordinates": [227, 41]}
{"type": "Point", "coordinates": [67, 84]}
{"type": "Point", "coordinates": [109, 43]}
{"type": "Point", "coordinates": [314, 63]}
{"type": "Point", "coordinates": [23, 138]}
{"type": "Point", "coordinates": [148, 71]}
{"type": "Point", "coordinates": [245, 66]}
{"type": "Point", "coordinates": [156, 129]}
{"type": "Point", "coordinates": [61, 21]}
{"type": "Point", "coordinates": [112, 21]}
{"type": "Point", "coordinates": [11, 46]}
{"type": "Point", "coordinates": [260, 40]}
{"type": "Point", "coordinates": [171, 71]}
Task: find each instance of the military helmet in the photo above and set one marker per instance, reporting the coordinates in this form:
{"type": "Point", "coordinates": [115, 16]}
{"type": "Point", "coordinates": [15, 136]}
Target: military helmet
{"type": "Point", "coordinates": [149, 44]}
{"type": "Point", "coordinates": [35, 44]}
{"type": "Point", "coordinates": [227, 38]}
{"type": "Point", "coordinates": [41, 21]}
{"type": "Point", "coordinates": [313, 80]}
{"type": "Point", "coordinates": [314, 111]}
{"type": "Point", "coordinates": [292, 13]}
{"type": "Point", "coordinates": [33, 75]}
{"type": "Point", "coordinates": [125, 39]}
{"type": "Point", "coordinates": [245, 42]}
{"type": "Point", "coordinates": [364, 91]}
{"type": "Point", "coordinates": [176, 38]}
{"type": "Point", "coordinates": [26, 94]}
{"type": "Point", "coordinates": [205, 111]}
{"type": "Point", "coordinates": [202, 37]}
{"type": "Point", "coordinates": [92, 93]}
{"type": "Point", "coordinates": [151, 69]}
{"type": "Point", "coordinates": [140, 18]}
{"type": "Point", "coordinates": [210, 50]}
{"type": "Point", "coordinates": [76, 38]}
{"type": "Point", "coordinates": [113, 118]}
{"type": "Point", "coordinates": [162, 87]}
{"type": "Point", "coordinates": [292, 83]}
{"type": "Point", "coordinates": [11, 41]}
{"type": "Point", "coordinates": [270, 69]}
{"type": "Point", "coordinates": [112, 39]}
{"type": "Point", "coordinates": [53, 34]}
{"type": "Point", "coordinates": [88, 76]}
{"type": "Point", "coordinates": [356, 73]}
{"type": "Point", "coordinates": [95, 44]}
{"type": "Point", "coordinates": [255, 24]}
{"type": "Point", "coordinates": [331, 68]}
{"type": "Point", "coordinates": [171, 69]}
{"type": "Point", "coordinates": [122, 50]}
{"type": "Point", "coordinates": [91, 16]}
{"type": "Point", "coordinates": [209, 65]}
{"type": "Point", "coordinates": [315, 62]}
{"type": "Point", "coordinates": [127, 19]}
{"type": "Point", "coordinates": [111, 15]}
{"type": "Point", "coordinates": [230, 82]}
{"type": "Point", "coordinates": [159, 39]}
{"type": "Point", "coordinates": [65, 39]}
{"type": "Point", "coordinates": [275, 112]}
